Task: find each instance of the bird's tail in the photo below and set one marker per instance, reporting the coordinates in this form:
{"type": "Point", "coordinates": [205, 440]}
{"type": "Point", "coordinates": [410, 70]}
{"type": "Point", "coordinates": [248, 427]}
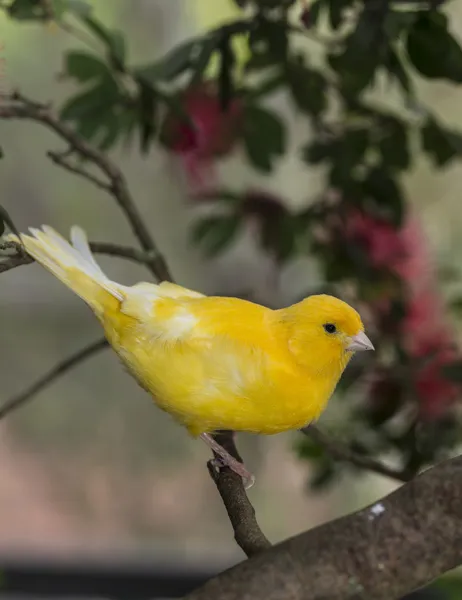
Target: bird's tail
{"type": "Point", "coordinates": [74, 265]}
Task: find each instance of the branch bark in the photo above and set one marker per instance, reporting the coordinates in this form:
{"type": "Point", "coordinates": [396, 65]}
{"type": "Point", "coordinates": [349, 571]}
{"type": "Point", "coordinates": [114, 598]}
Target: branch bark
{"type": "Point", "coordinates": [17, 106]}
{"type": "Point", "coordinates": [381, 552]}
{"type": "Point", "coordinates": [8, 262]}
{"type": "Point", "coordinates": [241, 512]}
{"type": "Point", "coordinates": [340, 452]}
{"type": "Point", "coordinates": [57, 371]}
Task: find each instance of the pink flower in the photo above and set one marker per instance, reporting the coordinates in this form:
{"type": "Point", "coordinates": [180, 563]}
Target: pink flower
{"type": "Point", "coordinates": [425, 329]}
{"type": "Point", "coordinates": [212, 133]}
{"type": "Point", "coordinates": [436, 393]}
{"type": "Point", "coordinates": [380, 240]}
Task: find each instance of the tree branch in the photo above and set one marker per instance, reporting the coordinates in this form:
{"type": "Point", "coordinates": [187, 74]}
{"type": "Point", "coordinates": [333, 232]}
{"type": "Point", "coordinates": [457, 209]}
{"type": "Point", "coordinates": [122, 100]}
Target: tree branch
{"type": "Point", "coordinates": [60, 159]}
{"type": "Point", "coordinates": [17, 106]}
{"type": "Point", "coordinates": [47, 379]}
{"type": "Point", "coordinates": [384, 551]}
{"type": "Point", "coordinates": [341, 452]}
{"type": "Point", "coordinates": [241, 512]}
{"type": "Point", "coordinates": [9, 262]}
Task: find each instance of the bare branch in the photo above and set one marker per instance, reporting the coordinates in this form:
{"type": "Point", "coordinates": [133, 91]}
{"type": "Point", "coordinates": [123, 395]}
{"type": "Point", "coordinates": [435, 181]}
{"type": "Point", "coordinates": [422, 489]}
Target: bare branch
{"type": "Point", "coordinates": [60, 159]}
{"type": "Point", "coordinates": [241, 513]}
{"type": "Point", "coordinates": [47, 379]}
{"type": "Point", "coordinates": [21, 258]}
{"type": "Point", "coordinates": [343, 453]}
{"type": "Point", "coordinates": [17, 106]}
{"type": "Point", "coordinates": [384, 551]}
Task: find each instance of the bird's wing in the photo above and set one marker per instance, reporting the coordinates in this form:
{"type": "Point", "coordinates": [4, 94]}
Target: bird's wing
{"type": "Point", "coordinates": [174, 313]}
{"type": "Point", "coordinates": [143, 300]}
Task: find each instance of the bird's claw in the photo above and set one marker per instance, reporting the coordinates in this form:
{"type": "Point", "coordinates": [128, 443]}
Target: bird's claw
{"type": "Point", "coordinates": [219, 463]}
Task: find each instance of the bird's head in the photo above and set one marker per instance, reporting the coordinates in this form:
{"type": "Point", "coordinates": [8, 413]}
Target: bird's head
{"type": "Point", "coordinates": [325, 331]}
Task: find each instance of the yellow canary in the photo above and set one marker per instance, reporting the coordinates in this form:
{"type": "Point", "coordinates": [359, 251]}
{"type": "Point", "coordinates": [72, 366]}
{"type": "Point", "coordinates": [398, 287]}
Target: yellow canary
{"type": "Point", "coordinates": [213, 362]}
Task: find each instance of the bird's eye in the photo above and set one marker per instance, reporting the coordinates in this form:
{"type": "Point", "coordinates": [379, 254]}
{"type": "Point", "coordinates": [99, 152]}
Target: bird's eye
{"type": "Point", "coordinates": [330, 327]}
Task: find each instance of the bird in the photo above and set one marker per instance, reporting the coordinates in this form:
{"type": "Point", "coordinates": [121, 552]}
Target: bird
{"type": "Point", "coordinates": [213, 363]}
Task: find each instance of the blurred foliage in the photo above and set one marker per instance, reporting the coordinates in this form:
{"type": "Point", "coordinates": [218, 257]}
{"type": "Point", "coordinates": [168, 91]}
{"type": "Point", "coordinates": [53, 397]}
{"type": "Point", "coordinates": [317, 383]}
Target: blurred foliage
{"type": "Point", "coordinates": [363, 148]}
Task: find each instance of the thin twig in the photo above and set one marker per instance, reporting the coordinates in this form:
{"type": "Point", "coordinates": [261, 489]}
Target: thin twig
{"type": "Point", "coordinates": [47, 379]}
{"type": "Point", "coordinates": [21, 258]}
{"type": "Point", "coordinates": [341, 452]}
{"type": "Point", "coordinates": [18, 106]}
{"type": "Point", "coordinates": [241, 512]}
{"type": "Point", "coordinates": [59, 159]}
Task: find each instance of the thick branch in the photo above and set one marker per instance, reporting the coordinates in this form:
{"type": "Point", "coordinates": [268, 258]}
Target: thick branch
{"type": "Point", "coordinates": [378, 553]}
{"type": "Point", "coordinates": [341, 452]}
{"type": "Point", "coordinates": [47, 379]}
{"type": "Point", "coordinates": [16, 106]}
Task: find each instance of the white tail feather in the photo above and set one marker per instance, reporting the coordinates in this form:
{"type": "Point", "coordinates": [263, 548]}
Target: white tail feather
{"type": "Point", "coordinates": [80, 242]}
{"type": "Point", "coordinates": [55, 253]}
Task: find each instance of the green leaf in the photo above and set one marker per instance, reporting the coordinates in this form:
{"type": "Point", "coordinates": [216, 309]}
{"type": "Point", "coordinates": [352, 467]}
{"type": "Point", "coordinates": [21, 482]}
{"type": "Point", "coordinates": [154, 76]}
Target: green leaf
{"type": "Point", "coordinates": [398, 22]}
{"type": "Point", "coordinates": [336, 12]}
{"type": "Point", "coordinates": [25, 10]}
{"type": "Point", "coordinates": [441, 144]}
{"type": "Point", "coordinates": [214, 234]}
{"type": "Point", "coordinates": [109, 131]}
{"type": "Point", "coordinates": [278, 236]}
{"type": "Point", "coordinates": [385, 194]}
{"type": "Point", "coordinates": [384, 402]}
{"type": "Point", "coordinates": [456, 306]}
{"type": "Point", "coordinates": [312, 13]}
{"type": "Point", "coordinates": [364, 50]}
{"type": "Point", "coordinates": [220, 195]}
{"type": "Point", "coordinates": [147, 103]}
{"type": "Point", "coordinates": [394, 65]}
{"type": "Point", "coordinates": [174, 63]}
{"type": "Point", "coordinates": [307, 87]}
{"type": "Point", "coordinates": [270, 38]}
{"type": "Point", "coordinates": [432, 49]}
{"type": "Point", "coordinates": [324, 474]}
{"type": "Point", "coordinates": [264, 137]}
{"type": "Point", "coordinates": [79, 8]}
{"type": "Point", "coordinates": [346, 151]}
{"type": "Point", "coordinates": [225, 75]}
{"type": "Point", "coordinates": [201, 62]}
{"type": "Point", "coordinates": [84, 67]}
{"type": "Point", "coordinates": [453, 371]}
{"type": "Point", "coordinates": [352, 146]}
{"type": "Point", "coordinates": [96, 99]}
{"type": "Point", "coordinates": [113, 40]}
{"type": "Point", "coordinates": [317, 152]}
{"type": "Point", "coordinates": [94, 113]}
{"type": "Point", "coordinates": [393, 145]}
{"type": "Point", "coordinates": [308, 449]}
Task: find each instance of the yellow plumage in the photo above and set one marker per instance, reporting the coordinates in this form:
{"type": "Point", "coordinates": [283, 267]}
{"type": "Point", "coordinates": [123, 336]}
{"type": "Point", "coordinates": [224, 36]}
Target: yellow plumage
{"type": "Point", "coordinates": [212, 362]}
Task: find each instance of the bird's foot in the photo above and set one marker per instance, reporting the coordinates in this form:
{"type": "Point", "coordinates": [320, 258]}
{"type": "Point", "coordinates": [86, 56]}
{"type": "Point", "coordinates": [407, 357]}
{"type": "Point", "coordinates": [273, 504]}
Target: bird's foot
{"type": "Point", "coordinates": [224, 459]}
{"type": "Point", "coordinates": [247, 478]}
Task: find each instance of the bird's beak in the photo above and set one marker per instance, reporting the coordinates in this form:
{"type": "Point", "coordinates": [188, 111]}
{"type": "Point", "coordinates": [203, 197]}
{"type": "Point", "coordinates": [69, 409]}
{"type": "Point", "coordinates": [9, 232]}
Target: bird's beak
{"type": "Point", "coordinates": [360, 342]}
